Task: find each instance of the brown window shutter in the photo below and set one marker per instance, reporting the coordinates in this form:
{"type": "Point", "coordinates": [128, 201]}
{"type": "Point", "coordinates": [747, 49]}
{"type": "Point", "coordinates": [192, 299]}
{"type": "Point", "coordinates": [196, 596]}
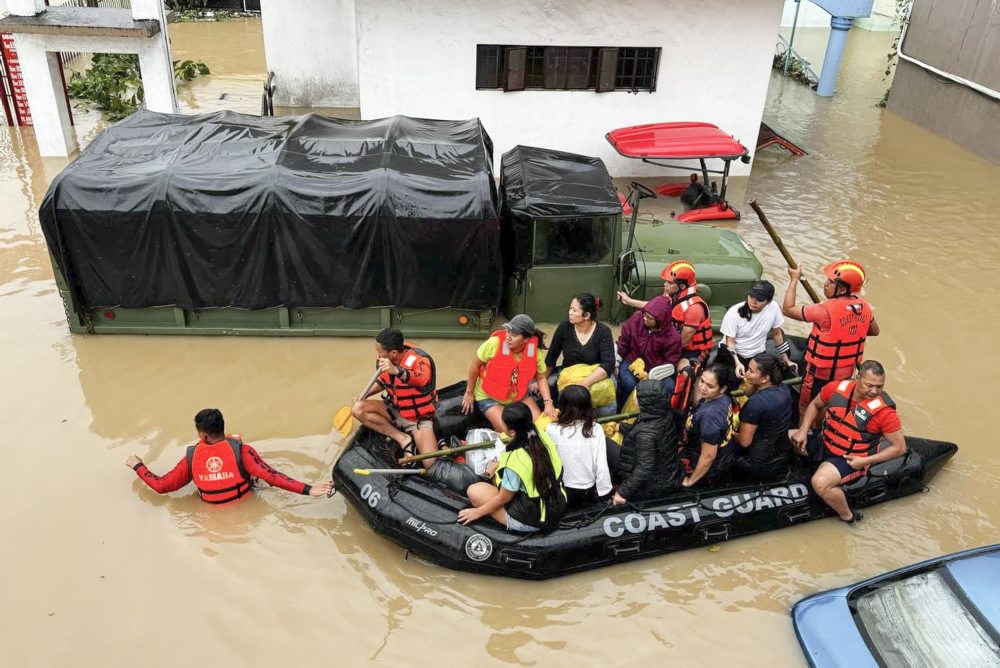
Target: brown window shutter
{"type": "Point", "coordinates": [514, 59]}
{"type": "Point", "coordinates": [607, 69]}
{"type": "Point", "coordinates": [555, 67]}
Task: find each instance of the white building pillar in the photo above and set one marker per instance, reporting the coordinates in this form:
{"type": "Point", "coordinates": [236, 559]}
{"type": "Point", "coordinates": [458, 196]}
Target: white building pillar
{"type": "Point", "coordinates": [156, 60]}
{"type": "Point", "coordinates": [43, 85]}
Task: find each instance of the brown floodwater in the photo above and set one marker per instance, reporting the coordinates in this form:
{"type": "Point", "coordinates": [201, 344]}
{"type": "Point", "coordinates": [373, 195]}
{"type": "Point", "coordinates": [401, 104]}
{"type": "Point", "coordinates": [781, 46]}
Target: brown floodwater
{"type": "Point", "coordinates": [98, 570]}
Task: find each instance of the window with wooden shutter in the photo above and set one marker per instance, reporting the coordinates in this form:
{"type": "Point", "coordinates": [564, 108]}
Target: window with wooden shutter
{"type": "Point", "coordinates": [514, 60]}
{"type": "Point", "coordinates": [578, 66]}
{"type": "Point", "coordinates": [488, 61]}
{"type": "Point", "coordinates": [607, 69]}
{"type": "Point", "coordinates": [555, 66]}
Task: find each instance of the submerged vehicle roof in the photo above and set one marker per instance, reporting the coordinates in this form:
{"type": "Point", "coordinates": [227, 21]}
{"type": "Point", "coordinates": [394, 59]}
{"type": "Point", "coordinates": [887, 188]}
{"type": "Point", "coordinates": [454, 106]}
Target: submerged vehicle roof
{"type": "Point", "coordinates": [678, 141]}
{"type": "Point", "coordinates": [943, 611]}
{"type": "Point", "coordinates": [227, 209]}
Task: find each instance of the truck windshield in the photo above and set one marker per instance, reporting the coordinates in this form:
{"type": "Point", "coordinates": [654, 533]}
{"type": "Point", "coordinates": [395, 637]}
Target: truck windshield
{"type": "Point", "coordinates": [920, 621]}
{"type": "Point", "coordinates": [573, 241]}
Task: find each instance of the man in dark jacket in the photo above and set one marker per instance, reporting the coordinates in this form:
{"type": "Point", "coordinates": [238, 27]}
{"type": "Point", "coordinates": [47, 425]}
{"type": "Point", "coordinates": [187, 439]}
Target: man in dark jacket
{"type": "Point", "coordinates": [648, 465]}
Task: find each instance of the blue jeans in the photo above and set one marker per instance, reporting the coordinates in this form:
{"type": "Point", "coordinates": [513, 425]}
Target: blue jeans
{"type": "Point", "coordinates": [629, 381]}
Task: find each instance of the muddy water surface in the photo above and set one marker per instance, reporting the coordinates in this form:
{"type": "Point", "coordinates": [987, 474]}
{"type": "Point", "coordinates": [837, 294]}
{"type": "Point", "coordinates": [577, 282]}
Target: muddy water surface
{"type": "Point", "coordinates": [99, 570]}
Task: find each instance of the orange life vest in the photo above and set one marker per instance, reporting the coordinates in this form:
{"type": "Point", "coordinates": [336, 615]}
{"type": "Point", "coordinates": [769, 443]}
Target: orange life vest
{"type": "Point", "coordinates": [845, 431]}
{"type": "Point", "coordinates": [505, 378]}
{"type": "Point", "coordinates": [843, 345]}
{"type": "Point", "coordinates": [413, 403]}
{"type": "Point", "coordinates": [702, 339]}
{"type": "Point", "coordinates": [217, 470]}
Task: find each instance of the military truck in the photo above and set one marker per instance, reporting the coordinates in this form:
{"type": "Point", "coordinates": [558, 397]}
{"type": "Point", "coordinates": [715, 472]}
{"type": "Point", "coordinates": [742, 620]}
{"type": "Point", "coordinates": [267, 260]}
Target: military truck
{"type": "Point", "coordinates": [296, 226]}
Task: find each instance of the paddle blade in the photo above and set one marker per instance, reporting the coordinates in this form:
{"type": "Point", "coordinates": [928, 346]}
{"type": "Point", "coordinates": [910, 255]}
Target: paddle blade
{"type": "Point", "coordinates": [343, 421]}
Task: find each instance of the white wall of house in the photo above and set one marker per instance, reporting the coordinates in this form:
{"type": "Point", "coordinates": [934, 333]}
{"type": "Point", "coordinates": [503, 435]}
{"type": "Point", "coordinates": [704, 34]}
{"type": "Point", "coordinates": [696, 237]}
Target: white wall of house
{"type": "Point", "coordinates": [419, 59]}
{"type": "Point", "coordinates": [311, 46]}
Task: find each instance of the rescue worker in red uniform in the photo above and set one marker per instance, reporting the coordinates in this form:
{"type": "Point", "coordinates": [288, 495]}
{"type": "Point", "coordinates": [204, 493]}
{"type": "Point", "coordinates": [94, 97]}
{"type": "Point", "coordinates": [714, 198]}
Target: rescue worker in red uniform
{"type": "Point", "coordinates": [222, 467]}
{"type": "Point", "coordinates": [688, 311]}
{"type": "Point", "coordinates": [408, 379]}
{"type": "Point", "coordinates": [840, 326]}
{"type": "Point", "coordinates": [861, 428]}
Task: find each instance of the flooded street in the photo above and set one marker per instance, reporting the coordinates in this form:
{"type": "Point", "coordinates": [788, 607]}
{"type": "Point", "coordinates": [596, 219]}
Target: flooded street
{"type": "Point", "coordinates": [100, 570]}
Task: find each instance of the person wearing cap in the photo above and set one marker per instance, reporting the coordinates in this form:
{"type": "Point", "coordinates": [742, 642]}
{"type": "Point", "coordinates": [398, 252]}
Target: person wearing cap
{"type": "Point", "coordinates": [746, 326]}
{"type": "Point", "coordinates": [689, 312]}
{"type": "Point", "coordinates": [840, 326]}
{"type": "Point", "coordinates": [650, 337]}
{"type": "Point", "coordinates": [503, 371]}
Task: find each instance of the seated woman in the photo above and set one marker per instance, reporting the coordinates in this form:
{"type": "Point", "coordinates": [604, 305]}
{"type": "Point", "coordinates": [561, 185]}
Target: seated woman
{"type": "Point", "coordinates": [527, 495]}
{"type": "Point", "coordinates": [503, 370]}
{"type": "Point", "coordinates": [581, 446]}
{"type": "Point", "coordinates": [746, 326]}
{"type": "Point", "coordinates": [708, 432]}
{"type": "Point", "coordinates": [765, 451]}
{"type": "Point", "coordinates": [647, 464]}
{"type": "Point", "coordinates": [648, 335]}
{"type": "Point", "coordinates": [583, 340]}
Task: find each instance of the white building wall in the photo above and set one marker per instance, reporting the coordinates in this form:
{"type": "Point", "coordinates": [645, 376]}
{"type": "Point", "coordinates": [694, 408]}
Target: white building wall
{"type": "Point", "coordinates": [813, 16]}
{"type": "Point", "coordinates": [311, 46]}
{"type": "Point", "coordinates": [419, 59]}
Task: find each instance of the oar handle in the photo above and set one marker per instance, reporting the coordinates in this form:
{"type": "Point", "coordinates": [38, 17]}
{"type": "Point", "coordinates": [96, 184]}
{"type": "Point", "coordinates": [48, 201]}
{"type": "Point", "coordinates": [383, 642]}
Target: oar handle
{"type": "Point", "coordinates": [781, 247]}
{"type": "Point", "coordinates": [371, 384]}
{"type": "Point", "coordinates": [795, 380]}
{"type": "Point", "coordinates": [389, 471]}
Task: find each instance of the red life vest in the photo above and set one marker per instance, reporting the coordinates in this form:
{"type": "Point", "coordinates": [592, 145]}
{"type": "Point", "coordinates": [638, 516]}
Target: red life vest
{"type": "Point", "coordinates": [217, 470]}
{"type": "Point", "coordinates": [843, 345]}
{"type": "Point", "coordinates": [702, 339]}
{"type": "Point", "coordinates": [413, 403]}
{"type": "Point", "coordinates": [684, 387]}
{"type": "Point", "coordinates": [845, 431]}
{"type": "Point", "coordinates": [504, 378]}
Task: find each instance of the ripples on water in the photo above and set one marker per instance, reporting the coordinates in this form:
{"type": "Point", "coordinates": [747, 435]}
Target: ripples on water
{"type": "Point", "coordinates": [285, 578]}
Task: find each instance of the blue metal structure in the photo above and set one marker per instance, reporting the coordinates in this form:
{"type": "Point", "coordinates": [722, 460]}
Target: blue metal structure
{"type": "Point", "coordinates": [831, 635]}
{"type": "Point", "coordinates": [842, 15]}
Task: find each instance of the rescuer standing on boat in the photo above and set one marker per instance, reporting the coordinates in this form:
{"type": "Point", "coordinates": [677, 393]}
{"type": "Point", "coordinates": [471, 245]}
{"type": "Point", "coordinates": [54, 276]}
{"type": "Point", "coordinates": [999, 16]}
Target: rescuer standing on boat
{"type": "Point", "coordinates": [222, 466]}
{"type": "Point", "coordinates": [840, 326]}
{"type": "Point", "coordinates": [408, 378]}
{"type": "Point", "coordinates": [859, 415]}
{"type": "Point", "coordinates": [688, 311]}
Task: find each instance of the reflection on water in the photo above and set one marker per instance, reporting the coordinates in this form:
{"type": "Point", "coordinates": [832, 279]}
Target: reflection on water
{"type": "Point", "coordinates": [119, 574]}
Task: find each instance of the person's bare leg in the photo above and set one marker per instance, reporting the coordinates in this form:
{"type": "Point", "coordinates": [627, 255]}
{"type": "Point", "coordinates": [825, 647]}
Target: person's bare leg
{"type": "Point", "coordinates": [493, 415]}
{"type": "Point", "coordinates": [826, 482]}
{"type": "Point", "coordinates": [424, 439]}
{"type": "Point", "coordinates": [481, 493]}
{"type": "Point", "coordinates": [533, 407]}
{"type": "Point", "coordinates": [374, 416]}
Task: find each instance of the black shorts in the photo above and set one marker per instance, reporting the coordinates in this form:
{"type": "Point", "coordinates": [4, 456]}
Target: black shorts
{"type": "Point", "coordinates": [847, 472]}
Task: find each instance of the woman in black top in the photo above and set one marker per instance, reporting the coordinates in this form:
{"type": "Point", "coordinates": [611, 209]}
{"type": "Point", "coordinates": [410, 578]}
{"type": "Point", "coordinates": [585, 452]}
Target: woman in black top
{"type": "Point", "coordinates": [582, 340]}
{"type": "Point", "coordinates": [765, 420]}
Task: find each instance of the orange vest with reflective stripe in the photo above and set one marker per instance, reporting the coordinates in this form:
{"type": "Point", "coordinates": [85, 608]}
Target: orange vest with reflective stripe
{"type": "Point", "coordinates": [499, 378]}
{"type": "Point", "coordinates": [413, 403]}
{"type": "Point", "coordinates": [702, 339]}
{"type": "Point", "coordinates": [217, 470]}
{"type": "Point", "coordinates": [844, 344]}
{"type": "Point", "coordinates": [845, 431]}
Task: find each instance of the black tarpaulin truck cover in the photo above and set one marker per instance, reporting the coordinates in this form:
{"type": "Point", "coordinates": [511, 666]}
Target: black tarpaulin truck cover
{"type": "Point", "coordinates": [544, 183]}
{"type": "Point", "coordinates": [227, 209]}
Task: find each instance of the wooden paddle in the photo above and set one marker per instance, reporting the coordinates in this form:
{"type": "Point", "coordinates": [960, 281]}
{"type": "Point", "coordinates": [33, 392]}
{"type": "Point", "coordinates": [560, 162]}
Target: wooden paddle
{"type": "Point", "coordinates": [781, 247]}
{"type": "Point", "coordinates": [343, 421]}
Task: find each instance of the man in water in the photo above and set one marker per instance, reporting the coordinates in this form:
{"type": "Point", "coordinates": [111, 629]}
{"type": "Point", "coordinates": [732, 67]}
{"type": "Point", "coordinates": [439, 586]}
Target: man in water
{"type": "Point", "coordinates": [861, 428]}
{"type": "Point", "coordinates": [222, 467]}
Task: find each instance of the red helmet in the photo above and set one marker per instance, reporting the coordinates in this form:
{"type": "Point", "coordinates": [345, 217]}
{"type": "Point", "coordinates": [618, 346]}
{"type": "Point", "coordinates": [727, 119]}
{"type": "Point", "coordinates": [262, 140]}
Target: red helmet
{"type": "Point", "coordinates": [846, 272]}
{"type": "Point", "coordinates": [681, 270]}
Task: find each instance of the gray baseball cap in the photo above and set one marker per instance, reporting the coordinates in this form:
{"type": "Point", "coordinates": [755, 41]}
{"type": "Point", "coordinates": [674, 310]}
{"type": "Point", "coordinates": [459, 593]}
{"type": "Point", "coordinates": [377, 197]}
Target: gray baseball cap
{"type": "Point", "coordinates": [521, 324]}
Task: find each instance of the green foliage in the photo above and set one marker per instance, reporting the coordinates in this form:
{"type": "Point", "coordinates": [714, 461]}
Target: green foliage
{"type": "Point", "coordinates": [184, 5]}
{"type": "Point", "coordinates": [796, 68]}
{"type": "Point", "coordinates": [114, 84]}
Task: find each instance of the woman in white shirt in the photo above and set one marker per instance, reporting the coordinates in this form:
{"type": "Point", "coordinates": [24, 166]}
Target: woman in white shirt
{"type": "Point", "coordinates": [745, 327]}
{"type": "Point", "coordinates": [582, 448]}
